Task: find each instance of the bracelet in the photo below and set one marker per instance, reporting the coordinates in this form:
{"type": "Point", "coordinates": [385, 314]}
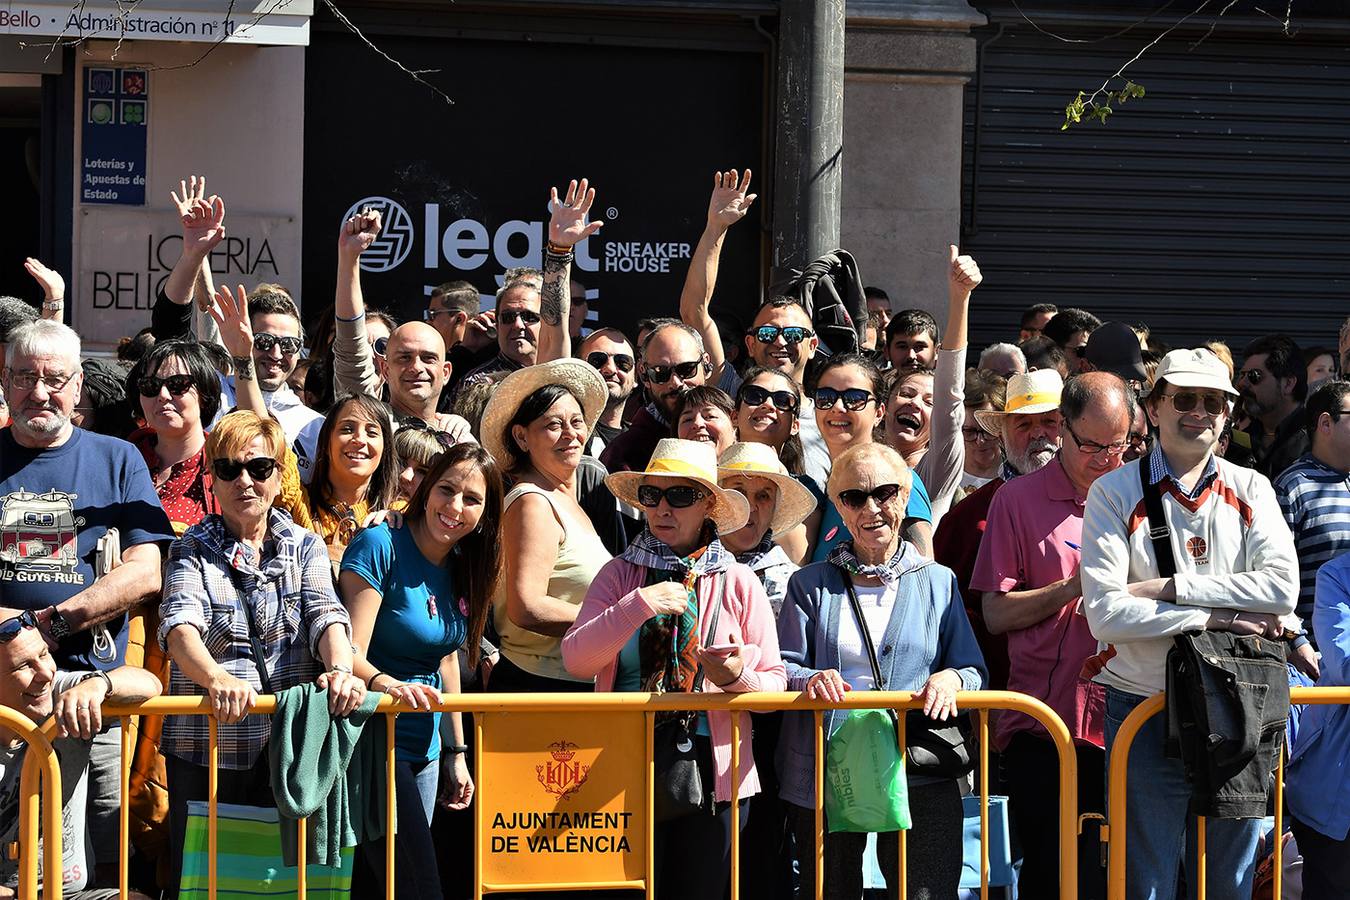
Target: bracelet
{"type": "Point", "coordinates": [99, 673]}
{"type": "Point", "coordinates": [370, 682]}
{"type": "Point", "coordinates": [556, 250]}
{"type": "Point", "coordinates": [54, 305]}
{"type": "Point", "coordinates": [345, 670]}
{"type": "Point", "coordinates": [458, 748]}
{"type": "Point", "coordinates": [1231, 619]}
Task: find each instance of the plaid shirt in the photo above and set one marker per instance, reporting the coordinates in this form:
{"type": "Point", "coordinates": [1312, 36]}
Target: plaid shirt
{"type": "Point", "coordinates": [1158, 469]}
{"type": "Point", "coordinates": [211, 576]}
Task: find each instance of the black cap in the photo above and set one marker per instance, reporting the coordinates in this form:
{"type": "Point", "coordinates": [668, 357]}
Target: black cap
{"type": "Point", "coordinates": [1114, 348]}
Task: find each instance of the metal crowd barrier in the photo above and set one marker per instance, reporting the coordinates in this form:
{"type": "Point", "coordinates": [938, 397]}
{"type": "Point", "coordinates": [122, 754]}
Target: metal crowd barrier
{"type": "Point", "coordinates": [1116, 791]}
{"type": "Point", "coordinates": [645, 705]}
{"type": "Point", "coordinates": [39, 787]}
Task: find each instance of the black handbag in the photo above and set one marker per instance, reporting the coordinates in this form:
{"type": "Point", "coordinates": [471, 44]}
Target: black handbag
{"type": "Point", "coordinates": [932, 750]}
{"type": "Point", "coordinates": [678, 788]}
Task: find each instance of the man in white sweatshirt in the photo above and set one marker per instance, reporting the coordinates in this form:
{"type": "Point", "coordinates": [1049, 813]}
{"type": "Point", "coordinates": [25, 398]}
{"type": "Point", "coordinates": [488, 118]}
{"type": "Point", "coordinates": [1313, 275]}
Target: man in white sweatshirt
{"type": "Point", "coordinates": [1236, 571]}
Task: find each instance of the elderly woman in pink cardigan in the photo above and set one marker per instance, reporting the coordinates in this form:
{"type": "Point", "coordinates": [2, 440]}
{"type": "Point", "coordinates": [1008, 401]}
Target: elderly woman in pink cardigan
{"type": "Point", "coordinates": [676, 612]}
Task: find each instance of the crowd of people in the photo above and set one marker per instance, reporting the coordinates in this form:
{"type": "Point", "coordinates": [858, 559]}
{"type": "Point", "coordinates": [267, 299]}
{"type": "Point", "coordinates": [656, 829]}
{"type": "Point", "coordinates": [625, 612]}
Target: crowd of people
{"type": "Point", "coordinates": [510, 501]}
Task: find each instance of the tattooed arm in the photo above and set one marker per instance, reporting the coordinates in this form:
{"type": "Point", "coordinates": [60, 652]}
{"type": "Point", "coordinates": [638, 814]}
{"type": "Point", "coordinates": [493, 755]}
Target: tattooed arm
{"type": "Point", "coordinates": [230, 313]}
{"type": "Point", "coordinates": [567, 227]}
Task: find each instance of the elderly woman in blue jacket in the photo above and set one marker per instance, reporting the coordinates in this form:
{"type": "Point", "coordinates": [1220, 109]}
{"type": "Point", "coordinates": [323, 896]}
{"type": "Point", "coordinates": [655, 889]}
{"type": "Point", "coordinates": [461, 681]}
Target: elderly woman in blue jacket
{"type": "Point", "coordinates": [913, 614]}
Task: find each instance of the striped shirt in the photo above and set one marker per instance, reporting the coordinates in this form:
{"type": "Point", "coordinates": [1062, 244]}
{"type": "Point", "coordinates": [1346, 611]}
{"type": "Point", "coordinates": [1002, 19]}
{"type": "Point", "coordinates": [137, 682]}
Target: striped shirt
{"type": "Point", "coordinates": [1315, 500]}
{"type": "Point", "coordinates": [290, 598]}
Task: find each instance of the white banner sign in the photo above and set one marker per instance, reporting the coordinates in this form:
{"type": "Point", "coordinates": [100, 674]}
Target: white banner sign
{"type": "Point", "coordinates": [134, 22]}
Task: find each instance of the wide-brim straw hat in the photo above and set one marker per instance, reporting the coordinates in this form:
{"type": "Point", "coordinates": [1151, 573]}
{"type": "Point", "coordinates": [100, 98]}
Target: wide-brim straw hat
{"type": "Point", "coordinates": [795, 502]}
{"type": "Point", "coordinates": [693, 461]}
{"type": "Point", "coordinates": [1028, 394]}
{"type": "Point", "coordinates": [577, 376]}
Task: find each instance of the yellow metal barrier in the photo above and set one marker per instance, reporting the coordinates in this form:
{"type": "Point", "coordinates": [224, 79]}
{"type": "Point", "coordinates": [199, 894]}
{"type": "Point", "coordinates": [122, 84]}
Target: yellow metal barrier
{"type": "Point", "coordinates": [1118, 774]}
{"type": "Point", "coordinates": [41, 773]}
{"type": "Point", "coordinates": [646, 706]}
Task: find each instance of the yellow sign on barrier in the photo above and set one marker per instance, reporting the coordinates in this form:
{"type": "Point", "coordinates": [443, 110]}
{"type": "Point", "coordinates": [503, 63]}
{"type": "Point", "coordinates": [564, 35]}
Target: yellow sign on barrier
{"type": "Point", "coordinates": [568, 801]}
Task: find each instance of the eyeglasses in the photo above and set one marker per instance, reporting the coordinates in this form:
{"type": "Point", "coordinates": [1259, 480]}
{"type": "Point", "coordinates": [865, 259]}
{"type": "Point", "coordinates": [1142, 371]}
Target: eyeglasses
{"type": "Point", "coordinates": [1252, 376]}
{"type": "Point", "coordinates": [26, 381]}
{"type": "Point", "coordinates": [511, 316]}
{"type": "Point", "coordinates": [754, 395]}
{"type": "Point", "coordinates": [856, 498]}
{"type": "Point", "coordinates": [1092, 448]}
{"type": "Point", "coordinates": [264, 342]}
{"type": "Point", "coordinates": [1185, 401]}
{"type": "Point", "coordinates": [599, 359]}
{"type": "Point", "coordinates": [1337, 413]}
{"type": "Point", "coordinates": [380, 345]}
{"type": "Point", "coordinates": [854, 398]}
{"type": "Point", "coordinates": [793, 334]}
{"type": "Point", "coordinates": [260, 468]}
{"type": "Point", "coordinates": [977, 435]}
{"type": "Point", "coordinates": [661, 374]}
{"type": "Point", "coordinates": [10, 628]}
{"type": "Point", "coordinates": [681, 496]}
{"type": "Point", "coordinates": [178, 385]}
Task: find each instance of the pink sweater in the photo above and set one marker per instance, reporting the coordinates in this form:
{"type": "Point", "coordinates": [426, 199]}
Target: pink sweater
{"type": "Point", "coordinates": [613, 610]}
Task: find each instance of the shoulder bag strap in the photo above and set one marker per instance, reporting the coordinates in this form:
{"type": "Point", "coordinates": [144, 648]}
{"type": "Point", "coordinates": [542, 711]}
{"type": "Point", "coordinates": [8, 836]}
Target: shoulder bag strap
{"type": "Point", "coordinates": [719, 584]}
{"type": "Point", "coordinates": [1158, 531]}
{"type": "Point", "coordinates": [863, 631]}
{"type": "Point", "coordinates": [246, 584]}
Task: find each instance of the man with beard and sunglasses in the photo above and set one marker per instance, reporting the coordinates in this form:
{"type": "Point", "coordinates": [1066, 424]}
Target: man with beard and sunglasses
{"type": "Point", "coordinates": [517, 319]}
{"type": "Point", "coordinates": [1273, 383]}
{"type": "Point", "coordinates": [1030, 427]}
{"type": "Point", "coordinates": [62, 489]}
{"type": "Point", "coordinates": [610, 353]}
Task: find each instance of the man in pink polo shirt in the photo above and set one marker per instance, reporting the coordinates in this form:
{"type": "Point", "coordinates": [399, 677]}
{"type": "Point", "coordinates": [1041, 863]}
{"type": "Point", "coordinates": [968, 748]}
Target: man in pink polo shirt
{"type": "Point", "coordinates": [1027, 570]}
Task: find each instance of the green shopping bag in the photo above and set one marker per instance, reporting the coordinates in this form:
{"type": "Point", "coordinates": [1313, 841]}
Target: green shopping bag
{"type": "Point", "coordinates": [865, 775]}
{"type": "Point", "coordinates": [248, 858]}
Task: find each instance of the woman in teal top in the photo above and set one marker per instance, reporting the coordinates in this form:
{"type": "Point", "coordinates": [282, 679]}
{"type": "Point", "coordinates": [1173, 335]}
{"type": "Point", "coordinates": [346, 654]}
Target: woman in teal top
{"type": "Point", "coordinates": [417, 594]}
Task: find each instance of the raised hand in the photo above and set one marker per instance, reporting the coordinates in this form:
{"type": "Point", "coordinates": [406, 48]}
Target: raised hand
{"type": "Point", "coordinates": [203, 225]}
{"type": "Point", "coordinates": [567, 225]}
{"type": "Point", "coordinates": [188, 193]}
{"type": "Point", "coordinates": [481, 330]}
{"type": "Point", "coordinates": [231, 315]}
{"type": "Point", "coordinates": [729, 202]}
{"type": "Point", "coordinates": [965, 272]}
{"type": "Point", "coordinates": [52, 284]}
{"type": "Point", "coordinates": [358, 233]}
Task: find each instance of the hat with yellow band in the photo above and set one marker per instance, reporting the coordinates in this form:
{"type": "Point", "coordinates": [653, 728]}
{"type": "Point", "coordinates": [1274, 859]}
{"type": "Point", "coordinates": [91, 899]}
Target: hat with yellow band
{"type": "Point", "coordinates": [795, 502]}
{"type": "Point", "coordinates": [690, 461]}
{"type": "Point", "coordinates": [1028, 394]}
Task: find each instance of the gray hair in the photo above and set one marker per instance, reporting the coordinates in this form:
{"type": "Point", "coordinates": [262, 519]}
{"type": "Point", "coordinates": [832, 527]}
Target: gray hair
{"type": "Point", "coordinates": [1003, 349]}
{"type": "Point", "coordinates": [522, 275]}
{"type": "Point", "coordinates": [45, 337]}
{"type": "Point", "coordinates": [13, 313]}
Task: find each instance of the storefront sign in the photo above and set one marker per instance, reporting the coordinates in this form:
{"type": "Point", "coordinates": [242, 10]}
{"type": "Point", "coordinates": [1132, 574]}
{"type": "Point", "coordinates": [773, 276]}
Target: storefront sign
{"type": "Point", "coordinates": [150, 21]}
{"type": "Point", "coordinates": [566, 802]}
{"type": "Point", "coordinates": [126, 254]}
{"type": "Point", "coordinates": [112, 149]}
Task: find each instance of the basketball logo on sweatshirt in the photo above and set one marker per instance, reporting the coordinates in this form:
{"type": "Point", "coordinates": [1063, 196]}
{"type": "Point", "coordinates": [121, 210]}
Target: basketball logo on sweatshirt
{"type": "Point", "coordinates": [1199, 550]}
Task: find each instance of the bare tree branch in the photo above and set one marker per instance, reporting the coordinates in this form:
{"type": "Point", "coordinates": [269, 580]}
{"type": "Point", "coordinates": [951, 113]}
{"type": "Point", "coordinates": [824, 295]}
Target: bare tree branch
{"type": "Point", "coordinates": [415, 74]}
{"type": "Point", "coordinates": [1097, 40]}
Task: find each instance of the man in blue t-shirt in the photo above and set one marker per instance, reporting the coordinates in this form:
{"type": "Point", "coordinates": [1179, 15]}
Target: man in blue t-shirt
{"type": "Point", "coordinates": [61, 490]}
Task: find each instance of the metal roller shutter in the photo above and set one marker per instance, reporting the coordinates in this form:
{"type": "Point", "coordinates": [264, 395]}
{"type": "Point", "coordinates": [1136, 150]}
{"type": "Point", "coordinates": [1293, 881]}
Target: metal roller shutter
{"type": "Point", "coordinates": [1216, 206]}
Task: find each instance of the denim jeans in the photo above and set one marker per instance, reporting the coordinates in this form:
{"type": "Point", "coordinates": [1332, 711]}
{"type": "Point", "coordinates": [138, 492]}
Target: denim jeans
{"type": "Point", "coordinates": [1160, 831]}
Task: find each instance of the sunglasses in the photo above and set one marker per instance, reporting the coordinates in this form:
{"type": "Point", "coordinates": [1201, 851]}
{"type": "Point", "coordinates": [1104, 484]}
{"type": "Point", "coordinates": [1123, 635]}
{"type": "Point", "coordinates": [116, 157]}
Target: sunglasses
{"type": "Point", "coordinates": [856, 498]}
{"type": "Point", "coordinates": [511, 316]}
{"type": "Point", "coordinates": [793, 334]}
{"type": "Point", "coordinates": [679, 497]}
{"type": "Point", "coordinates": [599, 359]}
{"type": "Point", "coordinates": [754, 395]}
{"type": "Point", "coordinates": [1253, 376]}
{"type": "Point", "coordinates": [1185, 401]}
{"type": "Point", "coordinates": [259, 468]}
{"type": "Point", "coordinates": [854, 398]}
{"type": "Point", "coordinates": [977, 435]}
{"type": "Point", "coordinates": [10, 628]}
{"type": "Point", "coordinates": [264, 343]}
{"type": "Point", "coordinates": [178, 385]}
{"type": "Point", "coordinates": [380, 345]}
{"type": "Point", "coordinates": [661, 374]}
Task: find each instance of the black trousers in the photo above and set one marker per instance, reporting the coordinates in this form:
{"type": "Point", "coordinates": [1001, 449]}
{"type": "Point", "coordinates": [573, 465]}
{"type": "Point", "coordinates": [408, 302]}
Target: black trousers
{"type": "Point", "coordinates": [1031, 775]}
{"type": "Point", "coordinates": [509, 678]}
{"type": "Point", "coordinates": [416, 874]}
{"type": "Point", "coordinates": [189, 781]}
{"type": "Point", "coordinates": [766, 840]}
{"type": "Point", "coordinates": [1326, 863]}
{"type": "Point", "coordinates": [933, 849]}
{"type": "Point", "coordinates": [693, 853]}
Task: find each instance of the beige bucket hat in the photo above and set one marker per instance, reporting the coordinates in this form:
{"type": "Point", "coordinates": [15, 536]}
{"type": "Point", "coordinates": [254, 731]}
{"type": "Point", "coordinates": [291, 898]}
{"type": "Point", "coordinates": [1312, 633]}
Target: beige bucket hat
{"type": "Point", "coordinates": [692, 460]}
{"type": "Point", "coordinates": [795, 502]}
{"type": "Point", "coordinates": [1028, 394]}
{"type": "Point", "coordinates": [576, 375]}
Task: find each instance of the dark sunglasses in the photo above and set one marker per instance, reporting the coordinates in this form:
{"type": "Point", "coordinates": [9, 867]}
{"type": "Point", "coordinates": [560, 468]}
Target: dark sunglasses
{"type": "Point", "coordinates": [178, 385]}
{"type": "Point", "coordinates": [661, 374]}
{"type": "Point", "coordinates": [599, 359]}
{"type": "Point", "coordinates": [856, 498]}
{"type": "Point", "coordinates": [511, 316]}
{"type": "Point", "coordinates": [854, 398]}
{"type": "Point", "coordinates": [754, 395]}
{"type": "Point", "coordinates": [381, 344]}
{"type": "Point", "coordinates": [1253, 376]}
{"type": "Point", "coordinates": [10, 628]}
{"type": "Point", "coordinates": [259, 468]}
{"type": "Point", "coordinates": [793, 334]}
{"type": "Point", "coordinates": [681, 496]}
{"type": "Point", "coordinates": [264, 343]}
{"type": "Point", "coordinates": [1185, 401]}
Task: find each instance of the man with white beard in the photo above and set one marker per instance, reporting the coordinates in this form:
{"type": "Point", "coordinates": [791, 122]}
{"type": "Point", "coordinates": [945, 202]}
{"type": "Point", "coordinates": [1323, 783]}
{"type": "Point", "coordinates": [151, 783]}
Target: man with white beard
{"type": "Point", "coordinates": [1029, 425]}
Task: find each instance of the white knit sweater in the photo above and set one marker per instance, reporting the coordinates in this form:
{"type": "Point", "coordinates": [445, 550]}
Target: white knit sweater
{"type": "Point", "coordinates": [1233, 551]}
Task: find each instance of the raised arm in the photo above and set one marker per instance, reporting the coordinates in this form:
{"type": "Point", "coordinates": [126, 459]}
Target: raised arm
{"type": "Point", "coordinates": [236, 333]}
{"type": "Point", "coordinates": [727, 206]}
{"type": "Point", "coordinates": [353, 360]}
{"type": "Point", "coordinates": [53, 288]}
{"type": "Point", "coordinates": [567, 227]}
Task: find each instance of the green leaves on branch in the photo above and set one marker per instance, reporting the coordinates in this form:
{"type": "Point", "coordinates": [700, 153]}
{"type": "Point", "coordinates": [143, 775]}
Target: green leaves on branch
{"type": "Point", "coordinates": [1100, 105]}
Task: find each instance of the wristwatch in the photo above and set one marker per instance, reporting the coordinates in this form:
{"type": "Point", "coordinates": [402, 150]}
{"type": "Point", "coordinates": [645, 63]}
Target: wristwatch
{"type": "Point", "coordinates": [58, 626]}
{"type": "Point", "coordinates": [98, 673]}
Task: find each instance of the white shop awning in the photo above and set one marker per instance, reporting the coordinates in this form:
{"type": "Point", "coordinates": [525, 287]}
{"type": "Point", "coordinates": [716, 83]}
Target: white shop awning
{"type": "Point", "coordinates": [258, 22]}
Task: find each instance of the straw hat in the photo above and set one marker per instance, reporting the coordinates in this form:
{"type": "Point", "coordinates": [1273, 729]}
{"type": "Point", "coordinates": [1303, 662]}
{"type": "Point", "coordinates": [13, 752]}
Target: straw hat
{"type": "Point", "coordinates": [577, 376]}
{"type": "Point", "coordinates": [795, 502]}
{"type": "Point", "coordinates": [691, 460]}
{"type": "Point", "coordinates": [1028, 394]}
